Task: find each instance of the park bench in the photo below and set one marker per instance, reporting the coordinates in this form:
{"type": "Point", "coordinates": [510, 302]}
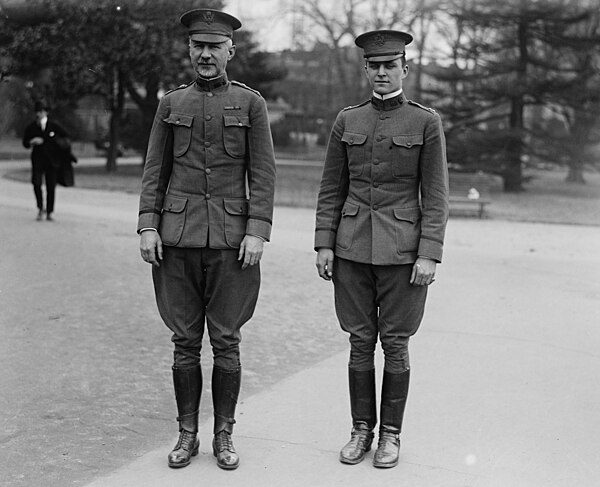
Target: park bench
{"type": "Point", "coordinates": [469, 192]}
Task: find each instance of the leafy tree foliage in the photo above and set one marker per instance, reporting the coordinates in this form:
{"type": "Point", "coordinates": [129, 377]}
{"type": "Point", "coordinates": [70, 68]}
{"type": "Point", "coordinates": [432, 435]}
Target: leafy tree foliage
{"type": "Point", "coordinates": [514, 62]}
{"type": "Point", "coordinates": [119, 50]}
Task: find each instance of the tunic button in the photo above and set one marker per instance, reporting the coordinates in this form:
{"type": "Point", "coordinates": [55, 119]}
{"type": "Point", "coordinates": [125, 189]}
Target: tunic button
{"type": "Point", "coordinates": [376, 185]}
{"type": "Point", "coordinates": [208, 117]}
{"type": "Point", "coordinates": [408, 144]}
{"type": "Point", "coordinates": [375, 207]}
{"type": "Point", "coordinates": [177, 122]}
{"type": "Point", "coordinates": [207, 170]}
{"type": "Point", "coordinates": [207, 196]}
{"type": "Point", "coordinates": [376, 161]}
{"type": "Point", "coordinates": [207, 144]}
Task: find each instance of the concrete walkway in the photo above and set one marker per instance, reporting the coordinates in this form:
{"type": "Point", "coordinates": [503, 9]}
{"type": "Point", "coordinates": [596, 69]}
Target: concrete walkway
{"type": "Point", "coordinates": [502, 393]}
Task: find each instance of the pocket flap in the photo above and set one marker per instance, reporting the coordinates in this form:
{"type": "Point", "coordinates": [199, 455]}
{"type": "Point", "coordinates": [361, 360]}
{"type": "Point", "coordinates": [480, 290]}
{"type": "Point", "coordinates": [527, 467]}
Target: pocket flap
{"type": "Point", "coordinates": [350, 210]}
{"type": "Point", "coordinates": [180, 119]}
{"type": "Point", "coordinates": [352, 138]}
{"type": "Point", "coordinates": [407, 214]}
{"type": "Point", "coordinates": [408, 140]}
{"type": "Point", "coordinates": [174, 204]}
{"type": "Point", "coordinates": [236, 206]}
{"type": "Point", "coordinates": [236, 121]}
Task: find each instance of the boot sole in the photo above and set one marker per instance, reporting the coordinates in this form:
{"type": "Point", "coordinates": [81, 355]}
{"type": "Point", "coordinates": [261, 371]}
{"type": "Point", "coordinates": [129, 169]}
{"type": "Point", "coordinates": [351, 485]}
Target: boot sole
{"type": "Point", "coordinates": [385, 465]}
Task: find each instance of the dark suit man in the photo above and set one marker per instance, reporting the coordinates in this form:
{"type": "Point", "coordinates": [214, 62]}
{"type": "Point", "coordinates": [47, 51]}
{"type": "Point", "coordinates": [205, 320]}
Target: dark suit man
{"type": "Point", "coordinates": [205, 211]}
{"type": "Point", "coordinates": [381, 218]}
{"type": "Point", "coordinates": [45, 137]}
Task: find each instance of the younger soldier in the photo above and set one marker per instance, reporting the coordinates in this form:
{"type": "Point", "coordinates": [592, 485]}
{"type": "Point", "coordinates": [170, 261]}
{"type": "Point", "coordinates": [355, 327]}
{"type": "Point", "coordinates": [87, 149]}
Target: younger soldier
{"type": "Point", "coordinates": [381, 217]}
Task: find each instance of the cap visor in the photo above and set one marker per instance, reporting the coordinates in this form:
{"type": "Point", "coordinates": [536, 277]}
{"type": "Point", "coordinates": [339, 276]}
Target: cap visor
{"type": "Point", "coordinates": [383, 59]}
{"type": "Point", "coordinates": [210, 38]}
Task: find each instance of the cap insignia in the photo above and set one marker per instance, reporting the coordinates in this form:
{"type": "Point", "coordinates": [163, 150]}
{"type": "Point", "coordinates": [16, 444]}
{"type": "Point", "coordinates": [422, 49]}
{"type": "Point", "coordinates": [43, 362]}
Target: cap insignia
{"type": "Point", "coordinates": [379, 39]}
{"type": "Point", "coordinates": [208, 17]}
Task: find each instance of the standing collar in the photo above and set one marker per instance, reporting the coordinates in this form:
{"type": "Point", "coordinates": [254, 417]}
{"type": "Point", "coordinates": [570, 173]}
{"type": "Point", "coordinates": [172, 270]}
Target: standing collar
{"type": "Point", "coordinates": [387, 95]}
{"type": "Point", "coordinates": [388, 103]}
{"type": "Point", "coordinates": [211, 84]}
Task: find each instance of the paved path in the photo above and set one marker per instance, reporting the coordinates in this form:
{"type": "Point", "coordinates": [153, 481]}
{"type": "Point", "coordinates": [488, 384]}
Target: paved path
{"type": "Point", "coordinates": [503, 390]}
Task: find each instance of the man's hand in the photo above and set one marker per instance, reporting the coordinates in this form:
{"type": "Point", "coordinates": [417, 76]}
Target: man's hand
{"type": "Point", "coordinates": [423, 272]}
{"type": "Point", "coordinates": [151, 247]}
{"type": "Point", "coordinates": [325, 263]}
{"type": "Point", "coordinates": [251, 250]}
{"type": "Point", "coordinates": [36, 141]}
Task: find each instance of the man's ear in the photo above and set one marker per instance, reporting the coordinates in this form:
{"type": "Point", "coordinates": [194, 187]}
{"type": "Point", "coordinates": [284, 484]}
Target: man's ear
{"type": "Point", "coordinates": [231, 52]}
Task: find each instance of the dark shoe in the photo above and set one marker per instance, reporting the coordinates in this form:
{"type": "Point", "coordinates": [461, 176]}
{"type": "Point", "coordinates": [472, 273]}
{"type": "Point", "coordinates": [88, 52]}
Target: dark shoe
{"type": "Point", "coordinates": [360, 443]}
{"type": "Point", "coordinates": [40, 215]}
{"type": "Point", "coordinates": [388, 450]}
{"type": "Point", "coordinates": [186, 448]}
{"type": "Point", "coordinates": [49, 217]}
{"type": "Point", "coordinates": [224, 450]}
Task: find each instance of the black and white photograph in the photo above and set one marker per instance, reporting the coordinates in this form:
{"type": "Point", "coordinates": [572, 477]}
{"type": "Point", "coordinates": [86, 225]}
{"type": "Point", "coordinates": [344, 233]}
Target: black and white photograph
{"type": "Point", "coordinates": [299, 243]}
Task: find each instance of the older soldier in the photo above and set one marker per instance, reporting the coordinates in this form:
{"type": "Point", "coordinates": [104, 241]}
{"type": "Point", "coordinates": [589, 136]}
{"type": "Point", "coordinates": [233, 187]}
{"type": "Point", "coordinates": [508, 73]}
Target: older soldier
{"type": "Point", "coordinates": [380, 225]}
{"type": "Point", "coordinates": [205, 211]}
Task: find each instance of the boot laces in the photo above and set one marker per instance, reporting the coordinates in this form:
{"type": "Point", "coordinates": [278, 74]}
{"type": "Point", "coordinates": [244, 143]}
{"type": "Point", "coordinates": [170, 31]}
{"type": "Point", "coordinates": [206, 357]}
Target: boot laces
{"type": "Point", "coordinates": [186, 440]}
{"type": "Point", "coordinates": [223, 441]}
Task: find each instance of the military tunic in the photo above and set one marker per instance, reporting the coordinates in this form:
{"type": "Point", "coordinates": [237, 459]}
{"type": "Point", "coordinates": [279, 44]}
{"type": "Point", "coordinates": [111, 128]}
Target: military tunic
{"type": "Point", "coordinates": [384, 192]}
{"type": "Point", "coordinates": [210, 142]}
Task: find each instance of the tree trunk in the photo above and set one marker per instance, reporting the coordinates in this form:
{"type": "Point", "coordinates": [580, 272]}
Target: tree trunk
{"type": "Point", "coordinates": [513, 174]}
{"type": "Point", "coordinates": [113, 146]}
{"type": "Point", "coordinates": [117, 105]}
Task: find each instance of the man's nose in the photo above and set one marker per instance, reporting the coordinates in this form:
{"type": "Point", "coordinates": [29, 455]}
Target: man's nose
{"type": "Point", "coordinates": [205, 53]}
{"type": "Point", "coordinates": [381, 70]}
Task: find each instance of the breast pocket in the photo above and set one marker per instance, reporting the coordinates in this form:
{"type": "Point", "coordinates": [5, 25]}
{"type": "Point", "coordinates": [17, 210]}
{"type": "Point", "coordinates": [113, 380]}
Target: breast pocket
{"type": "Point", "coordinates": [355, 151]}
{"type": "Point", "coordinates": [235, 132]}
{"type": "Point", "coordinates": [173, 219]}
{"type": "Point", "coordinates": [181, 125]}
{"type": "Point", "coordinates": [405, 158]}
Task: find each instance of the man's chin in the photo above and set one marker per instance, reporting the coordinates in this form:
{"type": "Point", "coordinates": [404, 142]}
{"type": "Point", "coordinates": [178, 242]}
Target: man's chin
{"type": "Point", "coordinates": [207, 74]}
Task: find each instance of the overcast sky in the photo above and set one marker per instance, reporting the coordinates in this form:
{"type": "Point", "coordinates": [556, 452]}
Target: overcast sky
{"type": "Point", "coordinates": [269, 20]}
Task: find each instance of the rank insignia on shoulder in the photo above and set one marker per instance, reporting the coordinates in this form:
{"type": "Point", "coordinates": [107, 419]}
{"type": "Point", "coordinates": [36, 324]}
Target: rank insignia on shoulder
{"type": "Point", "coordinates": [242, 85]}
{"type": "Point", "coordinates": [431, 110]}
{"type": "Point", "coordinates": [179, 87]}
{"type": "Point", "coordinates": [356, 106]}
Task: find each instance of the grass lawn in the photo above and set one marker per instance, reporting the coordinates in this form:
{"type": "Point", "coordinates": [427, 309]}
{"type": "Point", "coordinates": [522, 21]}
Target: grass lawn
{"type": "Point", "coordinates": [547, 197]}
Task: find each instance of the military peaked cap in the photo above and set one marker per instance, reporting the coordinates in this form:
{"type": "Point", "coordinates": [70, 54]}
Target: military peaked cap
{"type": "Point", "coordinates": [212, 26]}
{"type": "Point", "coordinates": [383, 45]}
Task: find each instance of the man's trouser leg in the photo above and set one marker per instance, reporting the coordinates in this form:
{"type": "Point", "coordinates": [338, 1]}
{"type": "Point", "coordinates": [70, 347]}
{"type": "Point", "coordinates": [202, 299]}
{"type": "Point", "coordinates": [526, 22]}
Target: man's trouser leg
{"type": "Point", "coordinates": [357, 312]}
{"type": "Point", "coordinates": [230, 304]}
{"type": "Point", "coordinates": [178, 285]}
{"type": "Point", "coordinates": [401, 308]}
